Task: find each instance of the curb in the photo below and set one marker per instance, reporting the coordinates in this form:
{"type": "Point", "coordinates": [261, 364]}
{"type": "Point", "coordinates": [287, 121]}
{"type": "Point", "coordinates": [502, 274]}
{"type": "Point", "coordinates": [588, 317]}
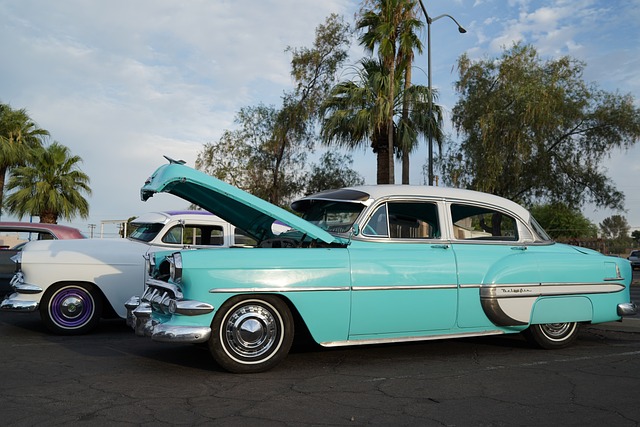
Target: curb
{"type": "Point", "coordinates": [627, 324]}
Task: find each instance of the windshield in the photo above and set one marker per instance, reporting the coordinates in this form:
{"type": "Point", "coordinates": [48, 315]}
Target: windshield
{"type": "Point", "coordinates": [334, 217]}
{"type": "Point", "coordinates": [145, 232]}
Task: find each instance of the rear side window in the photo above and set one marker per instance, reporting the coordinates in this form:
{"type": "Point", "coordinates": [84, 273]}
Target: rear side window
{"type": "Point", "coordinates": [9, 239]}
{"type": "Point", "coordinates": [482, 223]}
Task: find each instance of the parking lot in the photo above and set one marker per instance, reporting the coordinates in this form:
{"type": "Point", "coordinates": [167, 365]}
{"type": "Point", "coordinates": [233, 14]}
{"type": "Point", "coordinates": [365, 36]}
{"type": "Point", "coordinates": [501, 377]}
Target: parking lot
{"type": "Point", "coordinates": [112, 377]}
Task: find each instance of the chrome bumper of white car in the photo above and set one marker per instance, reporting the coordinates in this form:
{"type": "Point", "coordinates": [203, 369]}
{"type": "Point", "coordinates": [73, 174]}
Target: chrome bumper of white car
{"type": "Point", "coordinates": [14, 302]}
{"type": "Point", "coordinates": [20, 286]}
{"type": "Point", "coordinates": [139, 318]}
{"type": "Point", "coordinates": [11, 303]}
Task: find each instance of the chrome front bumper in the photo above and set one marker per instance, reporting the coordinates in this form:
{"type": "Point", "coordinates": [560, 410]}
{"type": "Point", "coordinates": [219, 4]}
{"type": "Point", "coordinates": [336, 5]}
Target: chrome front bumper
{"type": "Point", "coordinates": [139, 318]}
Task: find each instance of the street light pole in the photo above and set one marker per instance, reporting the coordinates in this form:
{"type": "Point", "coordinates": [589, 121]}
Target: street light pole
{"type": "Point", "coordinates": [462, 31]}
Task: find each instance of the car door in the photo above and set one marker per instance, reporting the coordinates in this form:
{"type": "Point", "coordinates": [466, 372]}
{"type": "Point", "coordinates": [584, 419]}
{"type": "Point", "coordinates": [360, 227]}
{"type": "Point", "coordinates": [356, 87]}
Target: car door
{"type": "Point", "coordinates": [489, 251]}
{"type": "Point", "coordinates": [403, 273]}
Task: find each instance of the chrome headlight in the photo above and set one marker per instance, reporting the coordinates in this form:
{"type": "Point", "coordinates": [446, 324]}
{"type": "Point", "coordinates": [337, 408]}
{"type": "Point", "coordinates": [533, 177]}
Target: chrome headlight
{"type": "Point", "coordinates": [175, 267]}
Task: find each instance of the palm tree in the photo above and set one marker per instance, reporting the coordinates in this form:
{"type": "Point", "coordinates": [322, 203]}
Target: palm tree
{"type": "Point", "coordinates": [352, 115]}
{"type": "Point", "coordinates": [390, 27]}
{"type": "Point", "coordinates": [18, 135]}
{"type": "Point", "coordinates": [49, 185]}
{"type": "Point", "coordinates": [352, 110]}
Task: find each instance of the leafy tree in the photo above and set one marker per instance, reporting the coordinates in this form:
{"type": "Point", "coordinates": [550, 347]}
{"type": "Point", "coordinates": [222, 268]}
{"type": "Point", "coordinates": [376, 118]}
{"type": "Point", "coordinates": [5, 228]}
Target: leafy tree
{"type": "Point", "coordinates": [249, 157]}
{"type": "Point", "coordinates": [49, 185]}
{"type": "Point", "coordinates": [18, 136]}
{"type": "Point", "coordinates": [615, 227]}
{"type": "Point", "coordinates": [390, 26]}
{"type": "Point", "coordinates": [561, 222]}
{"type": "Point", "coordinates": [534, 130]}
{"type": "Point", "coordinates": [635, 235]}
{"type": "Point", "coordinates": [353, 109]}
{"type": "Point", "coordinates": [333, 171]}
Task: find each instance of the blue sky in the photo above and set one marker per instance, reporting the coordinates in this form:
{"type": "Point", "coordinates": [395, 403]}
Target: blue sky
{"type": "Point", "coordinates": [123, 82]}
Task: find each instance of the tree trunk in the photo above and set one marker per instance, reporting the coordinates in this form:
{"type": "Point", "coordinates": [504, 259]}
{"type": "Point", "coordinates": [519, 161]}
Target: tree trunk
{"type": "Point", "coordinates": [48, 217]}
{"type": "Point", "coordinates": [405, 119]}
{"type": "Point", "coordinates": [380, 147]}
{"type": "Point", "coordinates": [405, 167]}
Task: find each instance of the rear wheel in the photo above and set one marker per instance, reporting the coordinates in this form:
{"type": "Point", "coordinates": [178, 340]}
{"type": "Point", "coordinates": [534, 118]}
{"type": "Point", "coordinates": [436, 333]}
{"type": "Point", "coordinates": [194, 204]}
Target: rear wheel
{"type": "Point", "coordinates": [251, 334]}
{"type": "Point", "coordinates": [552, 335]}
{"type": "Point", "coordinates": [71, 309]}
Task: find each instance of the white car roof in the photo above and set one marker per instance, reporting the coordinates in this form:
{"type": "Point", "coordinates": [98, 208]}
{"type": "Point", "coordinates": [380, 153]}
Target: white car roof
{"type": "Point", "coordinates": [165, 217]}
{"type": "Point", "coordinates": [390, 190]}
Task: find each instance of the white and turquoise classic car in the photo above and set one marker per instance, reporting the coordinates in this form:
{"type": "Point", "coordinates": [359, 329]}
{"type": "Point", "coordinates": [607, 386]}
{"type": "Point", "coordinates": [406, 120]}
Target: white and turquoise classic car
{"type": "Point", "coordinates": [366, 265]}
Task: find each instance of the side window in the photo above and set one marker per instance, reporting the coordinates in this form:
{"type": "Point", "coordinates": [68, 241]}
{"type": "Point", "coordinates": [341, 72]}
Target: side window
{"type": "Point", "coordinates": [404, 220]}
{"type": "Point", "coordinates": [413, 220]}
{"type": "Point", "coordinates": [481, 223]}
{"type": "Point", "coordinates": [195, 235]}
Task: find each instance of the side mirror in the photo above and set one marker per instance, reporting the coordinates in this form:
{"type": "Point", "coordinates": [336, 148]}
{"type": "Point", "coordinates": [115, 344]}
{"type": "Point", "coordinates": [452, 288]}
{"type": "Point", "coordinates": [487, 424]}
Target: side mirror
{"type": "Point", "coordinates": [355, 230]}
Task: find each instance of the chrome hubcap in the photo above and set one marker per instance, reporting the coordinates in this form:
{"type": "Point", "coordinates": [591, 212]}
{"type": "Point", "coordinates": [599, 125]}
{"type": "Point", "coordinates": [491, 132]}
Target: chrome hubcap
{"type": "Point", "coordinates": [71, 307]}
{"type": "Point", "coordinates": [556, 331]}
{"type": "Point", "coordinates": [251, 331]}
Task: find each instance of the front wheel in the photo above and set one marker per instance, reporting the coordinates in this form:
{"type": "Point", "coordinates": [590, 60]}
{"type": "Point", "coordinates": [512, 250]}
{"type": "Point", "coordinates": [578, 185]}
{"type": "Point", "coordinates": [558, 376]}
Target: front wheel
{"type": "Point", "coordinates": [251, 334]}
{"type": "Point", "coordinates": [71, 309]}
{"type": "Point", "coordinates": [552, 335]}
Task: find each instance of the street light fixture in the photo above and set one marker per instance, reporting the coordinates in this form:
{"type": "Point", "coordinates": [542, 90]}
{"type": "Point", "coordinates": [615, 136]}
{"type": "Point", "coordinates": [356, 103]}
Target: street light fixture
{"type": "Point", "coordinates": [462, 31]}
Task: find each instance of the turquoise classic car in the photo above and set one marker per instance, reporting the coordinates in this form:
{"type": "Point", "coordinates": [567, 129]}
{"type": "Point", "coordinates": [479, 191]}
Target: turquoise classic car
{"type": "Point", "coordinates": [367, 265]}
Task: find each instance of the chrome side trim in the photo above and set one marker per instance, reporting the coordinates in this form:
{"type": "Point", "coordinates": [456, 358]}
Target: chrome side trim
{"type": "Point", "coordinates": [180, 334]}
{"type": "Point", "coordinates": [402, 288]}
{"type": "Point", "coordinates": [547, 289]}
{"type": "Point", "coordinates": [10, 304]}
{"type": "Point", "coordinates": [276, 290]}
{"type": "Point", "coordinates": [627, 309]}
{"type": "Point", "coordinates": [487, 291]}
{"type": "Point", "coordinates": [408, 339]}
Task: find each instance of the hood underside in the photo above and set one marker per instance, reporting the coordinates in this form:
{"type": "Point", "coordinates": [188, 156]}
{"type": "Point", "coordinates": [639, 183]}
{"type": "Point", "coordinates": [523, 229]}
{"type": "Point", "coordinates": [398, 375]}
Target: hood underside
{"type": "Point", "coordinates": [245, 211]}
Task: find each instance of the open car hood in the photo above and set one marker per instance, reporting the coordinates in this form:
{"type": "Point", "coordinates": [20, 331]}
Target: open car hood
{"type": "Point", "coordinates": [245, 211]}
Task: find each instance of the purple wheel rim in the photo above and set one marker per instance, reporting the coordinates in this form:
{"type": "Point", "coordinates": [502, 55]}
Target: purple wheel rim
{"type": "Point", "coordinates": [71, 307]}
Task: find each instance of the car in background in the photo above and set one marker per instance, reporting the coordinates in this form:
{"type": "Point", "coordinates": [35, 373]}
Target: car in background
{"type": "Point", "coordinates": [14, 235]}
{"type": "Point", "coordinates": [75, 283]}
{"type": "Point", "coordinates": [370, 265]}
{"type": "Point", "coordinates": [634, 259]}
